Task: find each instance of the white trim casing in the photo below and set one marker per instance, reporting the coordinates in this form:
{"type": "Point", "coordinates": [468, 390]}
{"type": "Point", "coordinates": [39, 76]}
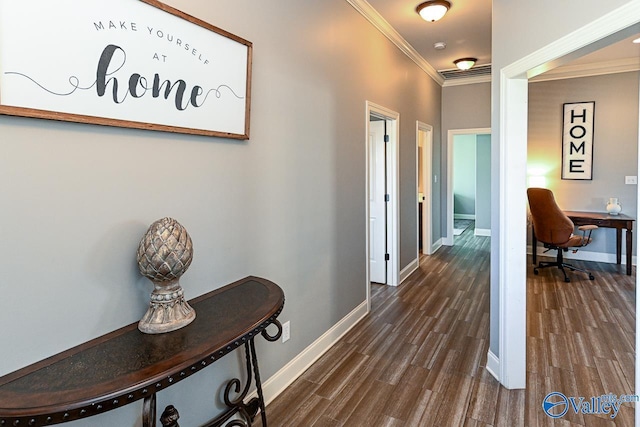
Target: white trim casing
{"type": "Point", "coordinates": [462, 81]}
{"type": "Point", "coordinates": [583, 255]}
{"type": "Point", "coordinates": [277, 383]}
{"type": "Point", "coordinates": [427, 204]}
{"type": "Point", "coordinates": [511, 201]}
{"type": "Point", "coordinates": [436, 245]}
{"type": "Point", "coordinates": [589, 70]}
{"type": "Point", "coordinates": [464, 216]}
{"type": "Point", "coordinates": [512, 237]}
{"type": "Point", "coordinates": [393, 185]}
{"type": "Point", "coordinates": [493, 363]}
{"type": "Point", "coordinates": [484, 232]}
{"type": "Point", "coordinates": [410, 268]}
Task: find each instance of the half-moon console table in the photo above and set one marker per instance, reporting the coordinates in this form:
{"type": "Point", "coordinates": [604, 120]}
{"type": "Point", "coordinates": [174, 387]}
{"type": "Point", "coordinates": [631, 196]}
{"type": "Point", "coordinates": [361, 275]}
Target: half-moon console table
{"type": "Point", "coordinates": [126, 365]}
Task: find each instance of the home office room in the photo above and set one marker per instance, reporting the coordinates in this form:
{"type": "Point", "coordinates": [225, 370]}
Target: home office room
{"type": "Point", "coordinates": [581, 325]}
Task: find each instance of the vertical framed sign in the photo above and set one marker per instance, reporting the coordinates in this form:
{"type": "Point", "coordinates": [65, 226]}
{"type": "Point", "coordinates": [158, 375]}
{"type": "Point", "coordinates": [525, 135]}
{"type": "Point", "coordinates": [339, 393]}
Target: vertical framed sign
{"type": "Point", "coordinates": [577, 140]}
{"type": "Point", "coordinates": [130, 63]}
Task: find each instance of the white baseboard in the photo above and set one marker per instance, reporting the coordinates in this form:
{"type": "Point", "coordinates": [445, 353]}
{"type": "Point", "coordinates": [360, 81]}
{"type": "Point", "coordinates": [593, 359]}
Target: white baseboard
{"type": "Point", "coordinates": [464, 216]}
{"type": "Point", "coordinates": [583, 255]}
{"type": "Point", "coordinates": [277, 383]}
{"type": "Point", "coordinates": [434, 247]}
{"type": "Point", "coordinates": [483, 232]}
{"type": "Point", "coordinates": [410, 268]}
{"type": "Point", "coordinates": [493, 365]}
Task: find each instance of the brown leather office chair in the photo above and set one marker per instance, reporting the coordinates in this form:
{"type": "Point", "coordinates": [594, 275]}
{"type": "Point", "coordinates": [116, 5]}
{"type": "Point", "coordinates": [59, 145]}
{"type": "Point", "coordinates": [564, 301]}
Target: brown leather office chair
{"type": "Point", "coordinates": [555, 230]}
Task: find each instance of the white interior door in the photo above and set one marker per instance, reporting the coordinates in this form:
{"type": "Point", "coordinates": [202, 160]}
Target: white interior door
{"type": "Point", "coordinates": [425, 142]}
{"type": "Point", "coordinates": [377, 217]}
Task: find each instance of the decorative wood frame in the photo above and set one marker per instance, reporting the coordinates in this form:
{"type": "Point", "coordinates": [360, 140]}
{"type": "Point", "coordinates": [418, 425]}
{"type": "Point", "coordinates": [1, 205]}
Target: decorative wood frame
{"type": "Point", "coordinates": [577, 140]}
{"type": "Point", "coordinates": [134, 63]}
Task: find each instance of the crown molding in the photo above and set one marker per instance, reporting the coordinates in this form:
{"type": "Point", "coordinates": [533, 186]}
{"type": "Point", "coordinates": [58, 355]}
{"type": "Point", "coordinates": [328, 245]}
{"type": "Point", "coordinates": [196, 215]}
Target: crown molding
{"type": "Point", "coordinates": [372, 15]}
{"type": "Point", "coordinates": [589, 70]}
{"type": "Point", "coordinates": [467, 81]}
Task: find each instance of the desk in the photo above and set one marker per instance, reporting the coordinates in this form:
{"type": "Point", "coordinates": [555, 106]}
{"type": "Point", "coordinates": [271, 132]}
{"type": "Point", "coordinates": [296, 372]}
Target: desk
{"type": "Point", "coordinates": [604, 220]}
{"type": "Point", "coordinates": [126, 365]}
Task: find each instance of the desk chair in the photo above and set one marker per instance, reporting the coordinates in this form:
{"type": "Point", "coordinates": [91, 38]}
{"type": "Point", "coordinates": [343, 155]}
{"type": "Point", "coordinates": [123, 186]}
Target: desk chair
{"type": "Point", "coordinates": [555, 230]}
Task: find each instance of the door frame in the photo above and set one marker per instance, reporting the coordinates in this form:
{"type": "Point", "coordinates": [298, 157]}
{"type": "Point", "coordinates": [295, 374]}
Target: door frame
{"type": "Point", "coordinates": [393, 236]}
{"type": "Point", "coordinates": [448, 239]}
{"type": "Point", "coordinates": [508, 289]}
{"type": "Point", "coordinates": [427, 204]}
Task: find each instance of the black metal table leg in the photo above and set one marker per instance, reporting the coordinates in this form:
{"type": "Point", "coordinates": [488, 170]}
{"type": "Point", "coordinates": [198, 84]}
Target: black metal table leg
{"type": "Point", "coordinates": [149, 411]}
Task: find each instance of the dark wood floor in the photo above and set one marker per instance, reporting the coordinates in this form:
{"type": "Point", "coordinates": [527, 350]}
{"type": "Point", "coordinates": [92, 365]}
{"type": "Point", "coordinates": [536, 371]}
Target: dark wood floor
{"type": "Point", "coordinates": [419, 358]}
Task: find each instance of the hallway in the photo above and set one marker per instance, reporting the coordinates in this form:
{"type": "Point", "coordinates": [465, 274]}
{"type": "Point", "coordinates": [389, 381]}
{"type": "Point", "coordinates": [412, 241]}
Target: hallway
{"type": "Point", "coordinates": [419, 358]}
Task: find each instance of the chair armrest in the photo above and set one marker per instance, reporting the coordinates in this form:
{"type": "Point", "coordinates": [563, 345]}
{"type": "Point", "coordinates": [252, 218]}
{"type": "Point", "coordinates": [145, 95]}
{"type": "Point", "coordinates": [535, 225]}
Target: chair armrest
{"type": "Point", "coordinates": [587, 227]}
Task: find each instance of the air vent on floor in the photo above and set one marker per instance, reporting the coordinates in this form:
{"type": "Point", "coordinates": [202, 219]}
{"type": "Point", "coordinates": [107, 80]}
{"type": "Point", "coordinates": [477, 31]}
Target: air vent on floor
{"type": "Point", "coordinates": [480, 70]}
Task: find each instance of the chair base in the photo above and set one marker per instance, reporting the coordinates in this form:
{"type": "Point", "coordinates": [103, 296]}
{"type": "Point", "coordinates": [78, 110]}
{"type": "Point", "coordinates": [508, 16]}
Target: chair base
{"type": "Point", "coordinates": [559, 262]}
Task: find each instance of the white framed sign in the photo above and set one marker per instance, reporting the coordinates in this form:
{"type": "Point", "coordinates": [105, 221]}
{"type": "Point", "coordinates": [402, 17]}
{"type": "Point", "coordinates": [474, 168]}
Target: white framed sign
{"type": "Point", "coordinates": [577, 140]}
{"type": "Point", "coordinates": [130, 63]}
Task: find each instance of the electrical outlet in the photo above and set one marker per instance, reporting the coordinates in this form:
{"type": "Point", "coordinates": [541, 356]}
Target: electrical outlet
{"type": "Point", "coordinates": [286, 331]}
{"type": "Point", "coordinates": [630, 179]}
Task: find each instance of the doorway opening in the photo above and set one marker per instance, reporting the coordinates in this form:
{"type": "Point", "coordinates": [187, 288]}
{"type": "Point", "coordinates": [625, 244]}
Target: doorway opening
{"type": "Point", "coordinates": [424, 135]}
{"type": "Point", "coordinates": [507, 356]}
{"type": "Point", "coordinates": [382, 234]}
{"type": "Point", "coordinates": [480, 143]}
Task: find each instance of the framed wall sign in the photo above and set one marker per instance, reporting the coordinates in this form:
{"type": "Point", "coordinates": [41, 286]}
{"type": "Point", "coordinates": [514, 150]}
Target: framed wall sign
{"type": "Point", "coordinates": [577, 140]}
{"type": "Point", "coordinates": [130, 63]}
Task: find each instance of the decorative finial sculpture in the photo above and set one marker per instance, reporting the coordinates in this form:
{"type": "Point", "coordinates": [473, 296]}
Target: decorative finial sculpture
{"type": "Point", "coordinates": [164, 254]}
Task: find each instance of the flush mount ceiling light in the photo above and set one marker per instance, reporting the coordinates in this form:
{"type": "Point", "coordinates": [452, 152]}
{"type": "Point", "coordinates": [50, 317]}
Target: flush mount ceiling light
{"type": "Point", "coordinates": [433, 10]}
{"type": "Point", "coordinates": [637, 41]}
{"type": "Point", "coordinates": [465, 63]}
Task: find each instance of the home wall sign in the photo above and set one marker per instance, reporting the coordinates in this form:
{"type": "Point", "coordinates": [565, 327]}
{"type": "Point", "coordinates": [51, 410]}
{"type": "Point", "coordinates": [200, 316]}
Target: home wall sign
{"type": "Point", "coordinates": [577, 140]}
{"type": "Point", "coordinates": [129, 63]}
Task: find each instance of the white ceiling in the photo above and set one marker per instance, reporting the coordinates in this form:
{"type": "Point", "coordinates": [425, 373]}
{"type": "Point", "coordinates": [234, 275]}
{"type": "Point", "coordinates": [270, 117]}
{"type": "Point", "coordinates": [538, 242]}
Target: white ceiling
{"type": "Point", "coordinates": [466, 30]}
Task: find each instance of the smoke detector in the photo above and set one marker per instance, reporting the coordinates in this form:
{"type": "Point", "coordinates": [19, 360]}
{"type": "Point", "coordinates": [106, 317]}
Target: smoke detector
{"type": "Point", "coordinates": [439, 45]}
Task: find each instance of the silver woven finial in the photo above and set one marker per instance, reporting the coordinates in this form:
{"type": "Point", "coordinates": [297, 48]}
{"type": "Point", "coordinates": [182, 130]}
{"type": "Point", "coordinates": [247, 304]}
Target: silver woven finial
{"type": "Point", "coordinates": [164, 254]}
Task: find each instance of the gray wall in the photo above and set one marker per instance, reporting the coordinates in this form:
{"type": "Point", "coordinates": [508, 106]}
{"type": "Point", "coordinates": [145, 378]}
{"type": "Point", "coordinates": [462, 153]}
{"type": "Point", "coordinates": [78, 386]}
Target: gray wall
{"type": "Point", "coordinates": [516, 34]}
{"type": "Point", "coordinates": [483, 182]}
{"type": "Point", "coordinates": [464, 175]}
{"type": "Point", "coordinates": [615, 147]}
{"type": "Point", "coordinates": [463, 107]}
{"type": "Point", "coordinates": [288, 205]}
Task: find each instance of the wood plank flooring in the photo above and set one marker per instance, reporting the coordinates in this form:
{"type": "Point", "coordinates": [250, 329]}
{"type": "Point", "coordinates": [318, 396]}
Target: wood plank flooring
{"type": "Point", "coordinates": [419, 358]}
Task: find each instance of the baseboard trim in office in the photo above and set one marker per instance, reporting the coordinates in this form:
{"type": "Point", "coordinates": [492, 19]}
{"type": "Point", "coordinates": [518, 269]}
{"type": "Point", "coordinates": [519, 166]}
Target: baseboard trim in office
{"type": "Point", "coordinates": [485, 232]}
{"type": "Point", "coordinates": [279, 381]}
{"type": "Point", "coordinates": [583, 255]}
{"type": "Point", "coordinates": [493, 365]}
{"type": "Point", "coordinates": [410, 268]}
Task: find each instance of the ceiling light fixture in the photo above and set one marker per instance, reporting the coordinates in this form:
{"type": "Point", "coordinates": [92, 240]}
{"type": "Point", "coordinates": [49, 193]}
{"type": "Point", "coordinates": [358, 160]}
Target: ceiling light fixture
{"type": "Point", "coordinates": [465, 63]}
{"type": "Point", "coordinates": [637, 41]}
{"type": "Point", "coordinates": [433, 10]}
